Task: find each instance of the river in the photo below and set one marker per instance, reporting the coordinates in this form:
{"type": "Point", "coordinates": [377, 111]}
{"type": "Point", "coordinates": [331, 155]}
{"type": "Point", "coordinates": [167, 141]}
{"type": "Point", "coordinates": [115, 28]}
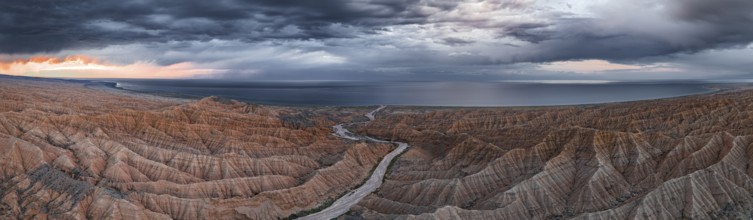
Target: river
{"type": "Point", "coordinates": [343, 204]}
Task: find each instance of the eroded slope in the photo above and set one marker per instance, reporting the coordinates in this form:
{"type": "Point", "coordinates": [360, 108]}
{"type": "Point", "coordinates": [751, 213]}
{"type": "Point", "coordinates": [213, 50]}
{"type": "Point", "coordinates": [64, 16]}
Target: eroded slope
{"type": "Point", "coordinates": [71, 152]}
{"type": "Point", "coordinates": [674, 158]}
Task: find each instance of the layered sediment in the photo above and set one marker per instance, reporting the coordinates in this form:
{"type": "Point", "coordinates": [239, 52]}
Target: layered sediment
{"type": "Point", "coordinates": [675, 158]}
{"type": "Point", "coordinates": [69, 150]}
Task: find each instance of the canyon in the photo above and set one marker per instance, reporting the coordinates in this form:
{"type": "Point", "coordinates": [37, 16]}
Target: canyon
{"type": "Point", "coordinates": [83, 150]}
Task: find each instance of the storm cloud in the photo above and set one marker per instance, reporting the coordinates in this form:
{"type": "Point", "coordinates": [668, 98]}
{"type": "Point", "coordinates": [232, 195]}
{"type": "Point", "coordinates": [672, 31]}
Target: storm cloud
{"type": "Point", "coordinates": [636, 29]}
{"type": "Point", "coordinates": [51, 25]}
{"type": "Point", "coordinates": [390, 38]}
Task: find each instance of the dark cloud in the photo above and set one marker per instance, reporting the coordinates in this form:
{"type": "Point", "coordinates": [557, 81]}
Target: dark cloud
{"type": "Point", "coordinates": [719, 11]}
{"type": "Point", "coordinates": [675, 26]}
{"type": "Point", "coordinates": [454, 41]}
{"type": "Point", "coordinates": [318, 38]}
{"type": "Point", "coordinates": [52, 25]}
{"type": "Point", "coordinates": [528, 32]}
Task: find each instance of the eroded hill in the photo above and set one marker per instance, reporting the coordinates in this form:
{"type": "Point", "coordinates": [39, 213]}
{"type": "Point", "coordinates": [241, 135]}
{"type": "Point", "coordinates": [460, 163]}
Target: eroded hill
{"type": "Point", "coordinates": [668, 159]}
{"type": "Point", "coordinates": [71, 152]}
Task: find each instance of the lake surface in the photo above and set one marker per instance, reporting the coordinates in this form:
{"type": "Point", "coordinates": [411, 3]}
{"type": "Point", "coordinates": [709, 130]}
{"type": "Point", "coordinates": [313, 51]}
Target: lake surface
{"type": "Point", "coordinates": [348, 93]}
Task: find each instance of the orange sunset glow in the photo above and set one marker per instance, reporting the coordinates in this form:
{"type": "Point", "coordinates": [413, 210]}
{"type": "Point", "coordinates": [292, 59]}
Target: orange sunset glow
{"type": "Point", "coordinates": [81, 66]}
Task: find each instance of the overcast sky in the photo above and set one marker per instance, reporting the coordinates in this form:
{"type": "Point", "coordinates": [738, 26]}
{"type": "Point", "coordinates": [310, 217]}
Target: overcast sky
{"type": "Point", "coordinates": [378, 39]}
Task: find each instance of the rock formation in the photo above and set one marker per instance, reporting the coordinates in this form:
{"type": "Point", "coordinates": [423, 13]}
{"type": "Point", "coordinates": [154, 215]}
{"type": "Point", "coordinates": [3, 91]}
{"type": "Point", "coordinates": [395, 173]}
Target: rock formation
{"type": "Point", "coordinates": [72, 152]}
{"type": "Point", "coordinates": [675, 158]}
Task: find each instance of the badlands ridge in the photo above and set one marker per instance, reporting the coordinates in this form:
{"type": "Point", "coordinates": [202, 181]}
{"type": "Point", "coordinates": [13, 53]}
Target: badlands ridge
{"type": "Point", "coordinates": [76, 150]}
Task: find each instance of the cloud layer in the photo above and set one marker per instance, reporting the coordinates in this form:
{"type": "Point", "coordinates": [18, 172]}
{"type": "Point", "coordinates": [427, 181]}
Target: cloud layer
{"type": "Point", "coordinates": [389, 39]}
{"type": "Point", "coordinates": [85, 67]}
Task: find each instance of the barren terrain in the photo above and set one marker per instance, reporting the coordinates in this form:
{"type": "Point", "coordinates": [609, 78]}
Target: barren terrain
{"type": "Point", "coordinates": [69, 150]}
{"type": "Point", "coordinates": [687, 157]}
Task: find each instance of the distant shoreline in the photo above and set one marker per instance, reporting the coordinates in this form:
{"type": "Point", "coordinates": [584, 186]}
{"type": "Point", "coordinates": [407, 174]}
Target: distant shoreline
{"type": "Point", "coordinates": [112, 86]}
{"type": "Point", "coordinates": [108, 86]}
{"type": "Point", "coordinates": [711, 88]}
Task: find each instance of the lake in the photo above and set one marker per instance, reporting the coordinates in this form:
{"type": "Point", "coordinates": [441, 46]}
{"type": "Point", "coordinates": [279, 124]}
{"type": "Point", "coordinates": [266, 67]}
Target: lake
{"type": "Point", "coordinates": [356, 93]}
